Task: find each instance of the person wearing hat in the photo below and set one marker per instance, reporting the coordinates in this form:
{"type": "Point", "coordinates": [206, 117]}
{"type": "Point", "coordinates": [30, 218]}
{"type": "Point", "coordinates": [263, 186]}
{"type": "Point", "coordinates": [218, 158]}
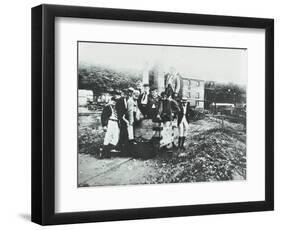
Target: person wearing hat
{"type": "Point", "coordinates": [124, 93]}
{"type": "Point", "coordinates": [109, 121]}
{"type": "Point", "coordinates": [125, 108]}
{"type": "Point", "coordinates": [121, 108]}
{"type": "Point", "coordinates": [118, 95]}
{"type": "Point", "coordinates": [143, 100]}
{"type": "Point", "coordinates": [139, 86]}
{"type": "Point", "coordinates": [130, 91]}
{"type": "Point", "coordinates": [153, 105]}
{"type": "Point", "coordinates": [165, 108]}
{"type": "Point", "coordinates": [183, 121]}
{"type": "Point", "coordinates": [137, 112]}
{"type": "Point", "coordinates": [168, 109]}
{"type": "Point", "coordinates": [128, 117]}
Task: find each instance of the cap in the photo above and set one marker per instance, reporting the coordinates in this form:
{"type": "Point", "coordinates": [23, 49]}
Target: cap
{"type": "Point", "coordinates": [131, 89]}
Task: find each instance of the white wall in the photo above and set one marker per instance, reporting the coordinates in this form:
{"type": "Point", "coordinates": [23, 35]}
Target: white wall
{"type": "Point", "coordinates": [15, 113]}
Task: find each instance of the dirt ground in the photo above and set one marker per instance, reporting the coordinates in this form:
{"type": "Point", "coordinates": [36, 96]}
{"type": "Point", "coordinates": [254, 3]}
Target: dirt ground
{"type": "Point", "coordinates": [214, 152]}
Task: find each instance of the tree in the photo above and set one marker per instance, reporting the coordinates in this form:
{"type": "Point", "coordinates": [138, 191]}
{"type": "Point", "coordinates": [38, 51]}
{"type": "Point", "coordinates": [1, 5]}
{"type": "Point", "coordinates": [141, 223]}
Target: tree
{"type": "Point", "coordinates": [224, 93]}
{"type": "Point", "coordinates": [103, 79]}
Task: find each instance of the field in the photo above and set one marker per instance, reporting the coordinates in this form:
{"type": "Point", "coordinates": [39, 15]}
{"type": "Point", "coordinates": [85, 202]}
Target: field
{"type": "Point", "coordinates": [214, 152]}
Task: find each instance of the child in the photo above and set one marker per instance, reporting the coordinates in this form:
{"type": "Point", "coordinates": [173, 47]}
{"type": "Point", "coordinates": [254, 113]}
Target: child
{"type": "Point", "coordinates": [183, 121]}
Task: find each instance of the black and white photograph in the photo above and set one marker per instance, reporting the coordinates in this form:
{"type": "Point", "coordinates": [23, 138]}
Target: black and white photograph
{"type": "Point", "coordinates": [140, 114]}
{"type": "Point", "coordinates": [155, 114]}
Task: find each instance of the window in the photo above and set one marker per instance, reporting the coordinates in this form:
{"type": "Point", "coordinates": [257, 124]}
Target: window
{"type": "Point", "coordinates": [188, 95]}
{"type": "Point", "coordinates": [198, 83]}
{"type": "Point", "coordinates": [197, 95]}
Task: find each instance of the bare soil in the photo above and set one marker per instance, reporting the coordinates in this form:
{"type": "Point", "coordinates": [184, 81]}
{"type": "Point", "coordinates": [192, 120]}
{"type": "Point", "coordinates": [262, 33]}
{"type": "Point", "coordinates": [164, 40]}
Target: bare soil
{"type": "Point", "coordinates": [213, 153]}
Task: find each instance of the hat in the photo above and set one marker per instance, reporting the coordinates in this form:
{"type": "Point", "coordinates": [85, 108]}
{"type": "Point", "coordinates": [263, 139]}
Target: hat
{"type": "Point", "coordinates": [184, 99]}
{"type": "Point", "coordinates": [153, 88]}
{"type": "Point", "coordinates": [136, 92]}
{"type": "Point", "coordinates": [145, 84]}
{"type": "Point", "coordinates": [131, 89]}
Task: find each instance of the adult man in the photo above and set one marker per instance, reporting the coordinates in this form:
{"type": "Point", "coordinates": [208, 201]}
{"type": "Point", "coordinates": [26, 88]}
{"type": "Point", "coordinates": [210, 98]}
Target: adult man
{"type": "Point", "coordinates": [109, 121]}
{"type": "Point", "coordinates": [132, 115]}
{"type": "Point", "coordinates": [143, 100]}
{"type": "Point", "coordinates": [168, 109]}
{"type": "Point", "coordinates": [153, 105]}
{"type": "Point", "coordinates": [165, 109]}
{"type": "Point", "coordinates": [128, 116]}
{"type": "Point", "coordinates": [183, 121]}
{"type": "Point", "coordinates": [118, 95]}
{"type": "Point", "coordinates": [136, 112]}
{"type": "Point", "coordinates": [139, 86]}
{"type": "Point", "coordinates": [121, 108]}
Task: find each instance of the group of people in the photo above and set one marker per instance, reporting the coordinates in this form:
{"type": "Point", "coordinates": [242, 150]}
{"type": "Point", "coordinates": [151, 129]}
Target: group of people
{"type": "Point", "coordinates": [120, 116]}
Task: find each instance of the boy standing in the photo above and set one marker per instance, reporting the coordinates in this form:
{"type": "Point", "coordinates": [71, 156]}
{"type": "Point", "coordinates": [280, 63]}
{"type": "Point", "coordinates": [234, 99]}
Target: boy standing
{"type": "Point", "coordinates": [183, 120]}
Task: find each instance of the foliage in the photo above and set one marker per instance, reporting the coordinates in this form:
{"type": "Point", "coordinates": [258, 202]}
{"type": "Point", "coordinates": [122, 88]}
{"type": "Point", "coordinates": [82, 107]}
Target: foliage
{"type": "Point", "coordinates": [102, 79]}
{"type": "Point", "coordinates": [224, 93]}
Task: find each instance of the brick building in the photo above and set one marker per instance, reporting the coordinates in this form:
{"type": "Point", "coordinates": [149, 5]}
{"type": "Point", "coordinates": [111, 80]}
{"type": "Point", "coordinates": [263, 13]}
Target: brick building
{"type": "Point", "coordinates": [193, 90]}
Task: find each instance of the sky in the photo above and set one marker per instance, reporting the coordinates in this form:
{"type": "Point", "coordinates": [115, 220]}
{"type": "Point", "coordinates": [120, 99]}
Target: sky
{"type": "Point", "coordinates": [209, 64]}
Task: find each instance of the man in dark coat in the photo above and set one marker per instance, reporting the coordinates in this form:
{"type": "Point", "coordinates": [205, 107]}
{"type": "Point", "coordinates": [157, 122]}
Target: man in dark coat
{"type": "Point", "coordinates": [183, 121]}
{"type": "Point", "coordinates": [143, 100]}
{"type": "Point", "coordinates": [169, 108]}
{"type": "Point", "coordinates": [121, 108]}
{"type": "Point", "coordinates": [153, 105]}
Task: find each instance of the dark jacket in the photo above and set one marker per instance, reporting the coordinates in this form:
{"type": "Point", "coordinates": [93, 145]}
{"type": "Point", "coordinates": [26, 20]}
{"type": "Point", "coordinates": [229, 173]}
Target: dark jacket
{"type": "Point", "coordinates": [153, 107]}
{"type": "Point", "coordinates": [142, 107]}
{"type": "Point", "coordinates": [105, 115]}
{"type": "Point", "coordinates": [175, 107]}
{"type": "Point", "coordinates": [166, 110]}
{"type": "Point", "coordinates": [121, 107]}
{"type": "Point", "coordinates": [187, 114]}
{"type": "Point", "coordinates": [169, 109]}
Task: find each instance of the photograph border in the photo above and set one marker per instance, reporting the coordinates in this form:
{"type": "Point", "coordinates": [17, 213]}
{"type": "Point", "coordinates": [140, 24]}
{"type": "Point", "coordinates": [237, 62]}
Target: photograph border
{"type": "Point", "coordinates": [43, 114]}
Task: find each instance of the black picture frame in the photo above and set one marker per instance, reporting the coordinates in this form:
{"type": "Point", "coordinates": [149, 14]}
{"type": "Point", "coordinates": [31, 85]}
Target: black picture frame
{"type": "Point", "coordinates": [43, 113]}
